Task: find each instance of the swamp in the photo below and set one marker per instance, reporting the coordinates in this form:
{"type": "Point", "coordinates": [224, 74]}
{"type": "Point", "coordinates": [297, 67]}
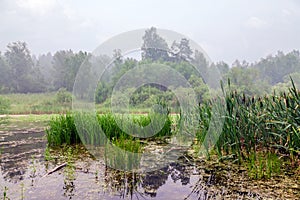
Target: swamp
{"type": "Point", "coordinates": [161, 122]}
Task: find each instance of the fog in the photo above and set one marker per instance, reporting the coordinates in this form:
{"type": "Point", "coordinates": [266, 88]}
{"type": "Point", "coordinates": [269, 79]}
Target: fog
{"type": "Point", "coordinates": [226, 30]}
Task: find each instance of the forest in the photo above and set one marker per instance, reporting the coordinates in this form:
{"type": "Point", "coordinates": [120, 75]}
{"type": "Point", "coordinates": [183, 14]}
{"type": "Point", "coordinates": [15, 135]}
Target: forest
{"type": "Point", "coordinates": [22, 72]}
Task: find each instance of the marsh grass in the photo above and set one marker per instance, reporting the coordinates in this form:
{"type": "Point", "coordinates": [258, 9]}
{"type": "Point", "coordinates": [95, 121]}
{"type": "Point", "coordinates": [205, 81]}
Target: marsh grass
{"type": "Point", "coordinates": [267, 125]}
{"type": "Point", "coordinates": [62, 130]}
{"type": "Point", "coordinates": [35, 103]}
{"type": "Point", "coordinates": [259, 131]}
{"type": "Point", "coordinates": [263, 165]}
{"type": "Point", "coordinates": [99, 129]}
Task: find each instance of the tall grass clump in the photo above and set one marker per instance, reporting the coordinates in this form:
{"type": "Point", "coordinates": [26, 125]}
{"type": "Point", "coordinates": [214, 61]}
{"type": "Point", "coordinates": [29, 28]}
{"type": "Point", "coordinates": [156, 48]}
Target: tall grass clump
{"type": "Point", "coordinates": [256, 124]}
{"type": "Point", "coordinates": [62, 129]}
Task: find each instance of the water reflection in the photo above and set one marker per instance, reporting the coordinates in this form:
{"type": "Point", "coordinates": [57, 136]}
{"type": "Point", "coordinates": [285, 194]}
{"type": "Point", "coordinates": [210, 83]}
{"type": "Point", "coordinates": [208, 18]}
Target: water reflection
{"type": "Point", "coordinates": [22, 162]}
{"type": "Point", "coordinates": [128, 184]}
{"type": "Point", "coordinates": [23, 170]}
{"type": "Point", "coordinates": [18, 149]}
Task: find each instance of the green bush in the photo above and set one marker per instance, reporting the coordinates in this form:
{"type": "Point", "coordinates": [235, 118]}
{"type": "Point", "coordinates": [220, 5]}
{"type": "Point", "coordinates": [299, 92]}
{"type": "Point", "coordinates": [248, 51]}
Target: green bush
{"type": "Point", "coordinates": [63, 96]}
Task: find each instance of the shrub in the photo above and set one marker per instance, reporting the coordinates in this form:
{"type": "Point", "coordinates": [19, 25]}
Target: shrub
{"type": "Point", "coordinates": [63, 96]}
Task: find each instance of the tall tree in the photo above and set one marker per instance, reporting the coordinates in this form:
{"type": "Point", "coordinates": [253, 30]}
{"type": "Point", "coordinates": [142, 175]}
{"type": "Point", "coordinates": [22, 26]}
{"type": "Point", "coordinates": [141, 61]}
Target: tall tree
{"type": "Point", "coordinates": [66, 65]}
{"type": "Point", "coordinates": [20, 61]}
{"type": "Point", "coordinates": [60, 69]}
{"type": "Point", "coordinates": [275, 68]}
{"type": "Point", "coordinates": [44, 64]}
{"type": "Point", "coordinates": [200, 62]}
{"type": "Point", "coordinates": [185, 49]}
{"type": "Point", "coordinates": [181, 51]}
{"type": "Point", "coordinates": [154, 46]}
{"type": "Point", "coordinates": [5, 75]}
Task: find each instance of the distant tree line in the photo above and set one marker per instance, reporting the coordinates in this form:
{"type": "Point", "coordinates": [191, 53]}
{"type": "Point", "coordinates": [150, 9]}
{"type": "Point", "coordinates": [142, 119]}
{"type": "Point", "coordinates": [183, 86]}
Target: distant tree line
{"type": "Point", "coordinates": [22, 72]}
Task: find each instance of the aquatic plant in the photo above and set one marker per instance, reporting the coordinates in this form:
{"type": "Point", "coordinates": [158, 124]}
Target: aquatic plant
{"type": "Point", "coordinates": [263, 165]}
{"type": "Point", "coordinates": [256, 124]}
{"type": "Point", "coordinates": [5, 193]}
{"type": "Point", "coordinates": [62, 129]}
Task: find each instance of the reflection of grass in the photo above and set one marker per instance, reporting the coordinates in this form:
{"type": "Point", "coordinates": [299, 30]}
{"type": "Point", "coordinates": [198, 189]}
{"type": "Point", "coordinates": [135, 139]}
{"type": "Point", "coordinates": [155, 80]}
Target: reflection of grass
{"type": "Point", "coordinates": [70, 168]}
{"type": "Point", "coordinates": [66, 154]}
{"type": "Point", "coordinates": [33, 167]}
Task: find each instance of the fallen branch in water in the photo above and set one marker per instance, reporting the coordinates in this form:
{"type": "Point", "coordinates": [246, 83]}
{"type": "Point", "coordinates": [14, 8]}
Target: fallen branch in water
{"type": "Point", "coordinates": [56, 169]}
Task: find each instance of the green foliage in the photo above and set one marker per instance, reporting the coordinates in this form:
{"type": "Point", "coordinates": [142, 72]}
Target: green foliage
{"type": "Point", "coordinates": [263, 165]}
{"type": "Point", "coordinates": [66, 65]}
{"type": "Point", "coordinates": [275, 68]}
{"type": "Point", "coordinates": [154, 46]}
{"type": "Point", "coordinates": [4, 105]}
{"type": "Point", "coordinates": [62, 129]}
{"type": "Point", "coordinates": [147, 95]}
{"type": "Point", "coordinates": [21, 72]}
{"type": "Point", "coordinates": [35, 103]}
{"type": "Point", "coordinates": [63, 96]}
{"type": "Point", "coordinates": [102, 92]}
{"type": "Point", "coordinates": [5, 76]}
{"type": "Point", "coordinates": [253, 124]}
{"type": "Point", "coordinates": [24, 77]}
{"type": "Point", "coordinates": [201, 89]}
{"type": "Point", "coordinates": [246, 80]}
{"type": "Point", "coordinates": [182, 50]}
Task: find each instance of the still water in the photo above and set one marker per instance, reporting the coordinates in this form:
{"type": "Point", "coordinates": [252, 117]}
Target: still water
{"type": "Point", "coordinates": [24, 170]}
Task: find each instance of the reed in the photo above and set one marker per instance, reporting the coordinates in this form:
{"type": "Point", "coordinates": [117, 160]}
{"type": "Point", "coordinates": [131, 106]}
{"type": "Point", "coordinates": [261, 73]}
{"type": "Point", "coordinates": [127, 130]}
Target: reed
{"type": "Point", "coordinates": [256, 124]}
{"type": "Point", "coordinates": [64, 129]}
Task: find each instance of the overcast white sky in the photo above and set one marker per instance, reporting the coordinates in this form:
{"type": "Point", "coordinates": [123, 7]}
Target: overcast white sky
{"type": "Point", "coordinates": [225, 29]}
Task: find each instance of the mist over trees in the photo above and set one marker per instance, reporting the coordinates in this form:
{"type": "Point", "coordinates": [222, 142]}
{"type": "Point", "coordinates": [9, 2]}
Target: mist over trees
{"type": "Point", "coordinates": [22, 72]}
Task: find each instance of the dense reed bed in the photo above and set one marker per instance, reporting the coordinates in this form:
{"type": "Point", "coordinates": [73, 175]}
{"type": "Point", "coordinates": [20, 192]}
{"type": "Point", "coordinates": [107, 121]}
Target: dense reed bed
{"type": "Point", "coordinates": [263, 131]}
{"type": "Point", "coordinates": [122, 130]}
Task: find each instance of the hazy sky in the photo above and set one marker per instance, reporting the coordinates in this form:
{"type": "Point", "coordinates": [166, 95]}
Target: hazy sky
{"type": "Point", "coordinates": [226, 30]}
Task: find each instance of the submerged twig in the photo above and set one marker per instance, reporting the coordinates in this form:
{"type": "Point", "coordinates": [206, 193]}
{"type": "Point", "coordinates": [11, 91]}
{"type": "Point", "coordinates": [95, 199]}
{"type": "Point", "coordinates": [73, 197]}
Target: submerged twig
{"type": "Point", "coordinates": [56, 169]}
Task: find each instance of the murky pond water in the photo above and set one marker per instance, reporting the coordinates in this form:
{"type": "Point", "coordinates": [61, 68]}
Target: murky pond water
{"type": "Point", "coordinates": [24, 171]}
